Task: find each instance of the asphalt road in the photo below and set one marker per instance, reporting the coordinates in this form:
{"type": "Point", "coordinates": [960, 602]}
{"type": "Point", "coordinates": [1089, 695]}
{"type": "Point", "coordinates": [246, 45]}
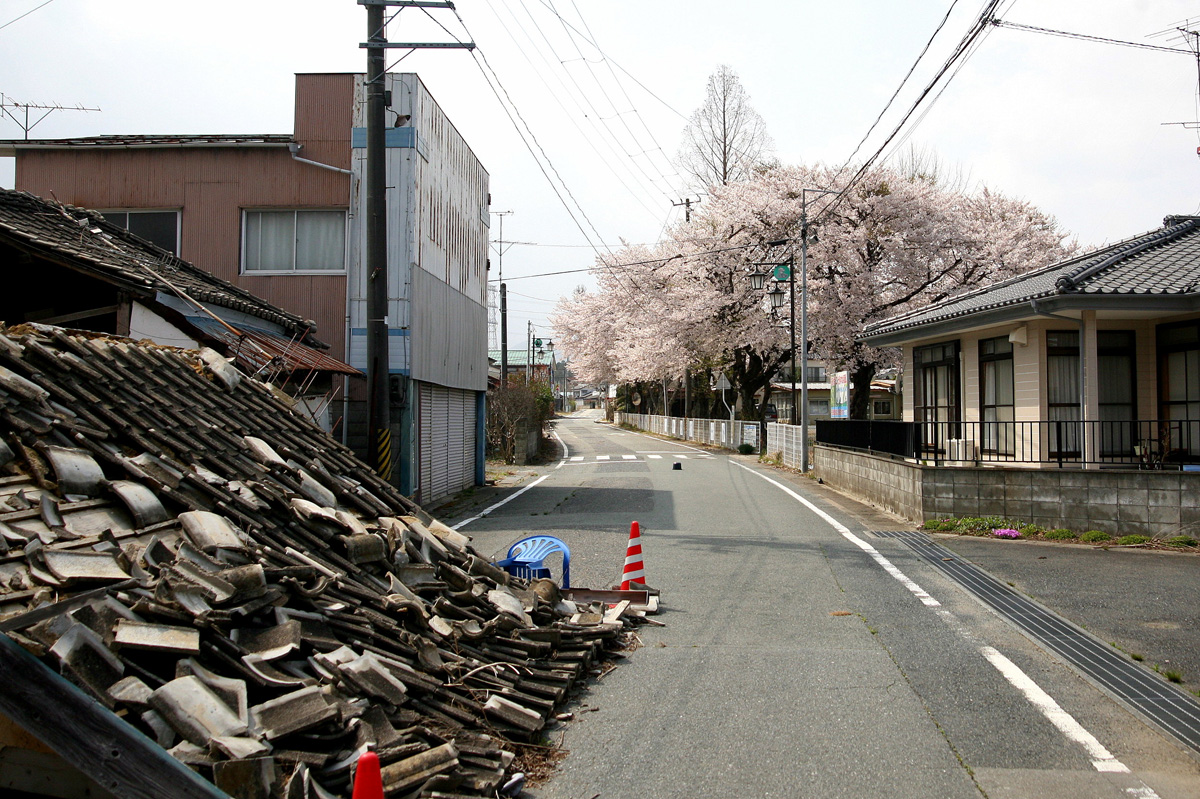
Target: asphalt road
{"type": "Point", "coordinates": [804, 656]}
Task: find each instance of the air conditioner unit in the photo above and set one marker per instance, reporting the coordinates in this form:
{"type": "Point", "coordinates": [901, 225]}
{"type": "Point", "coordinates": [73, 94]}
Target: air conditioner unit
{"type": "Point", "coordinates": [960, 449]}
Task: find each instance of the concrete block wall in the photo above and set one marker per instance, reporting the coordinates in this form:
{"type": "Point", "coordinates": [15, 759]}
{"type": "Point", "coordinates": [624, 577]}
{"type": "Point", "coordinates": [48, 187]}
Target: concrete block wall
{"type": "Point", "coordinates": [1160, 504]}
{"type": "Point", "coordinates": [893, 485]}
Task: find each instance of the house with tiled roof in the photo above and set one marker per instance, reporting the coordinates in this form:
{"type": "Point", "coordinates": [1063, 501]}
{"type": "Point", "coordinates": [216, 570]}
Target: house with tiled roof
{"type": "Point", "coordinates": [1091, 364]}
{"type": "Point", "coordinates": [80, 270]}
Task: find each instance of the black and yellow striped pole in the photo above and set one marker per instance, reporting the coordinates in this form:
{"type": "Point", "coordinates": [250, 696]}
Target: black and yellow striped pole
{"type": "Point", "coordinates": [382, 462]}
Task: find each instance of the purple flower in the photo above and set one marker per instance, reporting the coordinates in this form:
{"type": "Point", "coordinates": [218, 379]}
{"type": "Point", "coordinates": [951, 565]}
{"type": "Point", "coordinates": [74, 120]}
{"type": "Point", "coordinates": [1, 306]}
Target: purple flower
{"type": "Point", "coordinates": [1007, 532]}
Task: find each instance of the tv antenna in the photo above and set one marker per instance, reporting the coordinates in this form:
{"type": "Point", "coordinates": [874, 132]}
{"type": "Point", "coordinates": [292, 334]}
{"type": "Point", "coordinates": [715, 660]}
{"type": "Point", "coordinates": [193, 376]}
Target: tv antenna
{"type": "Point", "coordinates": [22, 112]}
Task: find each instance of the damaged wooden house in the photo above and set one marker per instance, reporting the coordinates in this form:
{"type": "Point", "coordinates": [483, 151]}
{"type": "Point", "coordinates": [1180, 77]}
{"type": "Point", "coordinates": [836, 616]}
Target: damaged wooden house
{"type": "Point", "coordinates": [79, 270]}
{"type": "Point", "coordinates": [203, 594]}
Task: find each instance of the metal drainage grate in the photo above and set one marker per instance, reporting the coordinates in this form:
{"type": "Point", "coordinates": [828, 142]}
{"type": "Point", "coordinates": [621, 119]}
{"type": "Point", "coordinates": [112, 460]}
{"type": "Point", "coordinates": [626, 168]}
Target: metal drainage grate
{"type": "Point", "coordinates": [1160, 702]}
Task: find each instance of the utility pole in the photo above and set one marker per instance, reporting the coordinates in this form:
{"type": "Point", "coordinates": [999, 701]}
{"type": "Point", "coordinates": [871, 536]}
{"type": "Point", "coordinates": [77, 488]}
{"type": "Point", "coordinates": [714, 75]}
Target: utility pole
{"type": "Point", "coordinates": [503, 302]}
{"type": "Point", "coordinates": [378, 409]}
{"type": "Point", "coordinates": [379, 412]}
{"type": "Point", "coordinates": [686, 202]}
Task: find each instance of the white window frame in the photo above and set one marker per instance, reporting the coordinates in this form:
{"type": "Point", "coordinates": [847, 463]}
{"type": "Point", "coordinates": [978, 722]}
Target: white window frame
{"type": "Point", "coordinates": [246, 212]}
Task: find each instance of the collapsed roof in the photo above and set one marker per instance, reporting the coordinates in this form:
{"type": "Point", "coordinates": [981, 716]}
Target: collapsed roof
{"type": "Point", "coordinates": [226, 582]}
{"type": "Point", "coordinates": [85, 243]}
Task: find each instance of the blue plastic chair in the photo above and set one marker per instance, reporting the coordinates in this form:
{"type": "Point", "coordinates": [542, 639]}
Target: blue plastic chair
{"type": "Point", "coordinates": [525, 558]}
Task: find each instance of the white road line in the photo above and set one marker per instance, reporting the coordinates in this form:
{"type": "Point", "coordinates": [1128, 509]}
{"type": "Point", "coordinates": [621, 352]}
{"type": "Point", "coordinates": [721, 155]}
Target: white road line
{"type": "Point", "coordinates": [576, 458]}
{"type": "Point", "coordinates": [887, 565]}
{"type": "Point", "coordinates": [1102, 759]}
{"type": "Point", "coordinates": [602, 457]}
{"type": "Point", "coordinates": [655, 457]}
{"type": "Point", "coordinates": [491, 508]}
{"type": "Point", "coordinates": [629, 457]}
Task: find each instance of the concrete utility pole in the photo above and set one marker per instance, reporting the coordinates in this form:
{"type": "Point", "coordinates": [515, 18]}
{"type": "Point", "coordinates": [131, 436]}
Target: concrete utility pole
{"type": "Point", "coordinates": [379, 412]}
{"type": "Point", "coordinates": [686, 202]}
{"type": "Point", "coordinates": [503, 301]}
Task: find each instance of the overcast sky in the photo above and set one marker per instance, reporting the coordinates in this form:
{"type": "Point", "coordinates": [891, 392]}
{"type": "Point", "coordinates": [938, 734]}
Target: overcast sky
{"type": "Point", "coordinates": [1076, 127]}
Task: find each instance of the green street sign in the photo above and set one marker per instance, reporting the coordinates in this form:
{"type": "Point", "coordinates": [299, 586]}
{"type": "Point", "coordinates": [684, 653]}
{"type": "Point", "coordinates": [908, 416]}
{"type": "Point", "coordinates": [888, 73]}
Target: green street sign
{"type": "Point", "coordinates": [537, 342]}
{"type": "Point", "coordinates": [783, 272]}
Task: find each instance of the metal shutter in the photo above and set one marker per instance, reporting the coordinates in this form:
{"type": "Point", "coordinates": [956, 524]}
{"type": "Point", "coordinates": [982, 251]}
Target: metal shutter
{"type": "Point", "coordinates": [447, 440]}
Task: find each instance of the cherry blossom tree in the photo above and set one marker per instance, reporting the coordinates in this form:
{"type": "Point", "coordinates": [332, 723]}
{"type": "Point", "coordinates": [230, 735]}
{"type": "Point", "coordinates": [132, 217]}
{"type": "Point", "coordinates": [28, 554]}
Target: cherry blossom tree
{"type": "Point", "coordinates": [895, 242]}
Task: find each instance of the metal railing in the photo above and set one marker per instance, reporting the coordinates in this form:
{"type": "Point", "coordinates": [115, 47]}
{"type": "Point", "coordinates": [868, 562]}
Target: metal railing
{"type": "Point", "coordinates": [1145, 444]}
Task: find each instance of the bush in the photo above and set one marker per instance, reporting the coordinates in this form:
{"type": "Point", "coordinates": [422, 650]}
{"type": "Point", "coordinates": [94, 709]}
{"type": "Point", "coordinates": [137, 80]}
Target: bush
{"type": "Point", "coordinates": [746, 449]}
{"type": "Point", "coordinates": [948, 526]}
{"type": "Point", "coordinates": [1060, 534]}
{"type": "Point", "coordinates": [1095, 537]}
{"type": "Point", "coordinates": [1181, 541]}
{"type": "Point", "coordinates": [1133, 540]}
{"type": "Point", "coordinates": [933, 524]}
{"type": "Point", "coordinates": [1032, 529]}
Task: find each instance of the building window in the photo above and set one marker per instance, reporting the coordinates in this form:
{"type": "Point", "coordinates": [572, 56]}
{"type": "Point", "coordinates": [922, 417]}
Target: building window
{"type": "Point", "coordinates": [1118, 406]}
{"type": "Point", "coordinates": [1062, 392]}
{"type": "Point", "coordinates": [1179, 388]}
{"type": "Point", "coordinates": [818, 407]}
{"type": "Point", "coordinates": [881, 409]}
{"type": "Point", "coordinates": [936, 390]}
{"type": "Point", "coordinates": [996, 395]}
{"type": "Point", "coordinates": [294, 241]}
{"type": "Point", "coordinates": [157, 227]}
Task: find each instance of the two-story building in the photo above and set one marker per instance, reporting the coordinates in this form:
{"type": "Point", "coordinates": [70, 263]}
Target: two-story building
{"type": "Point", "coordinates": [278, 215]}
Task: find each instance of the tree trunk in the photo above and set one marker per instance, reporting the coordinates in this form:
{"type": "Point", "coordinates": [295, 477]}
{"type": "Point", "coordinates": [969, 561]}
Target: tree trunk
{"type": "Point", "coordinates": [860, 397]}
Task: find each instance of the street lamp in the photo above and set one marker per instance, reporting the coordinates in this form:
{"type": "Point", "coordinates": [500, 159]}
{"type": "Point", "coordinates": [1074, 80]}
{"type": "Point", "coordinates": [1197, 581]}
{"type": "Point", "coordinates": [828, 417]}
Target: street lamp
{"type": "Point", "coordinates": [804, 192]}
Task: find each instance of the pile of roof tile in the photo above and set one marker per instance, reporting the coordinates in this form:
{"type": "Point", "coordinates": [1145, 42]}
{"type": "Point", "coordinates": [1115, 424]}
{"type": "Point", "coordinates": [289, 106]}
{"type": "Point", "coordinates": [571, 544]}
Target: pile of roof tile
{"type": "Point", "coordinates": [227, 578]}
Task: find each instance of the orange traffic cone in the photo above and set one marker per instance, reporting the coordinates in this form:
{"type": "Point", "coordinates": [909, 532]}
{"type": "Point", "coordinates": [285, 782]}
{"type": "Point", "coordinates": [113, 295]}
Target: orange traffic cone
{"type": "Point", "coordinates": [633, 560]}
{"type": "Point", "coordinates": [368, 783]}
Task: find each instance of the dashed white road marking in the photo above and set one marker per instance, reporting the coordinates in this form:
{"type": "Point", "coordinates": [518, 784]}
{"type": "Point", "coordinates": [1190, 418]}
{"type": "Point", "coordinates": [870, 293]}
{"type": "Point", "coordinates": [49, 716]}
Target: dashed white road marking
{"type": "Point", "coordinates": [576, 458]}
{"type": "Point", "coordinates": [629, 457]}
{"type": "Point", "coordinates": [1102, 760]}
{"type": "Point", "coordinates": [602, 457]}
{"type": "Point", "coordinates": [655, 457]}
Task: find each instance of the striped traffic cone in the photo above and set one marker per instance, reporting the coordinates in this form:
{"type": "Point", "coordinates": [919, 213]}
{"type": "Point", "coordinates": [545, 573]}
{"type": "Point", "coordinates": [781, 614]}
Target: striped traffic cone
{"type": "Point", "coordinates": [634, 571]}
{"type": "Point", "coordinates": [368, 782]}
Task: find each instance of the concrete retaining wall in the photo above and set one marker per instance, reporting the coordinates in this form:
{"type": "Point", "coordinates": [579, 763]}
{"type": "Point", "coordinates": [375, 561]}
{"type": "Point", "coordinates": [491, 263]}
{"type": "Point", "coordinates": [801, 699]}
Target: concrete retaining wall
{"type": "Point", "coordinates": [1160, 504]}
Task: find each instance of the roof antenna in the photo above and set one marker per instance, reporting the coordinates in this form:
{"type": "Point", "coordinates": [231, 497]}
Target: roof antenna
{"type": "Point", "coordinates": [23, 120]}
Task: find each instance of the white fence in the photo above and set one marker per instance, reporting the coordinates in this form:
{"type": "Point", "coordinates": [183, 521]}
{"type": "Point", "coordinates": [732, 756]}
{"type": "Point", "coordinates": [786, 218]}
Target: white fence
{"type": "Point", "coordinates": [782, 439]}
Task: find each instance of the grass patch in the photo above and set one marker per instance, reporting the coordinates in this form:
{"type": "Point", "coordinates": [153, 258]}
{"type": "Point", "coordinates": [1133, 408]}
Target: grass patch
{"type": "Point", "coordinates": [1060, 534]}
{"type": "Point", "coordinates": [1094, 537]}
{"type": "Point", "coordinates": [1181, 541]}
{"type": "Point", "coordinates": [1133, 540]}
{"type": "Point", "coordinates": [1173, 676]}
{"type": "Point", "coordinates": [1137, 657]}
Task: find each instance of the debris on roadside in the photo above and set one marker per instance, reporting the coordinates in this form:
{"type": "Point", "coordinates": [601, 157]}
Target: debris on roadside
{"type": "Point", "coordinates": [222, 576]}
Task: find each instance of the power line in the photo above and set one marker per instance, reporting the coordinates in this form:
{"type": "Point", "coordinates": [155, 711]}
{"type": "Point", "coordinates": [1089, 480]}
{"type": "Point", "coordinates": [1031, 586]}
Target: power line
{"type": "Point", "coordinates": [27, 13]}
{"type": "Point", "coordinates": [607, 139]}
{"type": "Point", "coordinates": [977, 29]}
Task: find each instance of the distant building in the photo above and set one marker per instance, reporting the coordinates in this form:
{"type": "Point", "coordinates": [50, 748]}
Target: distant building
{"type": "Point", "coordinates": [278, 215]}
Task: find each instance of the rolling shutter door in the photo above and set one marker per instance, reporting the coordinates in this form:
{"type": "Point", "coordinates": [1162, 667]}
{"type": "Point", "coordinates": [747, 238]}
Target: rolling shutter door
{"type": "Point", "coordinates": [447, 440]}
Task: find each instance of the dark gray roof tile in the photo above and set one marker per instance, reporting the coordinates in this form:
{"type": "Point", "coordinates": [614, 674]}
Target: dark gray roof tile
{"type": "Point", "coordinates": [1163, 262]}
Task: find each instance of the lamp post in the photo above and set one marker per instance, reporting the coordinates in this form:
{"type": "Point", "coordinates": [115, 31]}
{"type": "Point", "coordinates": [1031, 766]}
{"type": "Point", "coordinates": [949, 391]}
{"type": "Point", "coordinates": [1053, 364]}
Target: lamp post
{"type": "Point", "coordinates": [776, 295]}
